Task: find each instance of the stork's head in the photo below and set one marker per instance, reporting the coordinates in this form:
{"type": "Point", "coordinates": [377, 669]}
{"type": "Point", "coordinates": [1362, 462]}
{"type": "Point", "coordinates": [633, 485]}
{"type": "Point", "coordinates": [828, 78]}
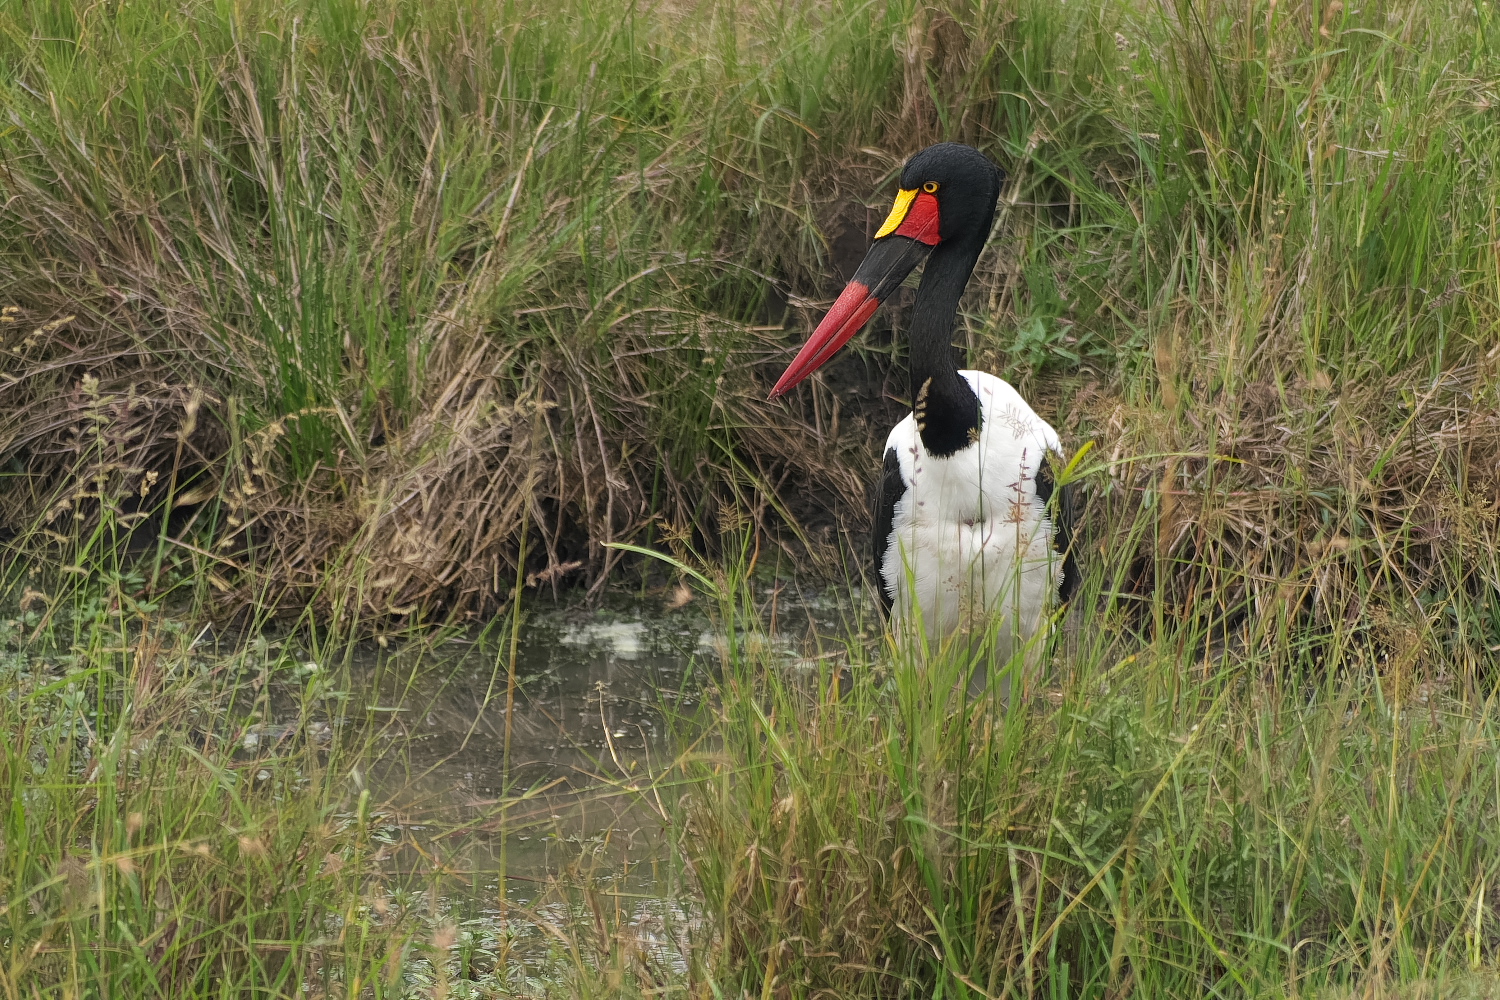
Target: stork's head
{"type": "Point", "coordinates": [946, 198]}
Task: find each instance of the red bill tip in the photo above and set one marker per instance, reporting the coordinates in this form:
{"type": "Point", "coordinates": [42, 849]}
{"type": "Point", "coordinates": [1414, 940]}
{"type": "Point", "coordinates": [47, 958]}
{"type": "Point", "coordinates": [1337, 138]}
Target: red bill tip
{"type": "Point", "coordinates": [850, 311]}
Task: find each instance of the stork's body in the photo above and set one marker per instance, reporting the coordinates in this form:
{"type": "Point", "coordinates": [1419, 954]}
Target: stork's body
{"type": "Point", "coordinates": [967, 541]}
{"type": "Point", "coordinates": [968, 534]}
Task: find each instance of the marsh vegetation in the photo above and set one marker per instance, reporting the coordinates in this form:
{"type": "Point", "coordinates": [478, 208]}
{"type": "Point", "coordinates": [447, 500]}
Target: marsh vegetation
{"type": "Point", "coordinates": [338, 336]}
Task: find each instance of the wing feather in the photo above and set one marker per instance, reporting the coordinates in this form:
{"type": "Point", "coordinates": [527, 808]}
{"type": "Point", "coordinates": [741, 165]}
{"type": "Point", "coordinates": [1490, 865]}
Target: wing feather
{"type": "Point", "coordinates": [890, 488]}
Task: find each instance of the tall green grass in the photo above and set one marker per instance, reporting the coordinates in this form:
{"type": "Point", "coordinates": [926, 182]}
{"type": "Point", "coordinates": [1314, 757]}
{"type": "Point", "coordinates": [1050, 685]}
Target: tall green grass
{"type": "Point", "coordinates": [149, 850]}
{"type": "Point", "coordinates": [1145, 817]}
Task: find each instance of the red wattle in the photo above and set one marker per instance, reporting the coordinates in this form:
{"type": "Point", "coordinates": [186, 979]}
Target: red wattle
{"type": "Point", "coordinates": [921, 222]}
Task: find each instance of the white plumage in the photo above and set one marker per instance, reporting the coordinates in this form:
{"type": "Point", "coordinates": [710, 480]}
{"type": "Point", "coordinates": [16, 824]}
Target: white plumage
{"type": "Point", "coordinates": [971, 541]}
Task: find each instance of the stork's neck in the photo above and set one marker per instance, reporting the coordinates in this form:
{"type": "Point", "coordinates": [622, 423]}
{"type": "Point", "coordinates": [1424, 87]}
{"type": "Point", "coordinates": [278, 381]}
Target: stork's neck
{"type": "Point", "coordinates": [946, 408]}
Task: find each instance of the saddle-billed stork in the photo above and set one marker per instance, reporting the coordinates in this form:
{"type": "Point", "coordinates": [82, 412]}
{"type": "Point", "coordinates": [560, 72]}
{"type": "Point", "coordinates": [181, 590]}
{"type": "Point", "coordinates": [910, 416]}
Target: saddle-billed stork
{"type": "Point", "coordinates": [966, 530]}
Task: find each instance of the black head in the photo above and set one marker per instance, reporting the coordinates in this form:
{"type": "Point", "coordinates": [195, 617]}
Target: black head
{"type": "Point", "coordinates": [965, 184]}
{"type": "Point", "coordinates": [947, 200]}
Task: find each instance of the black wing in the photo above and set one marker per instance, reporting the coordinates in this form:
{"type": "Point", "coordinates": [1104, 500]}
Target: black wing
{"type": "Point", "coordinates": [1062, 535]}
{"type": "Point", "coordinates": [888, 490]}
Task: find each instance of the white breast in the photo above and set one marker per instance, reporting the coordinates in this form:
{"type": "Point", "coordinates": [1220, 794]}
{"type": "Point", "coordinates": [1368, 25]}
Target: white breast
{"type": "Point", "coordinates": [971, 543]}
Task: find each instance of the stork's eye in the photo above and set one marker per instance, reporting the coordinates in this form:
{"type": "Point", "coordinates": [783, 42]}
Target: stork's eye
{"type": "Point", "coordinates": [930, 187]}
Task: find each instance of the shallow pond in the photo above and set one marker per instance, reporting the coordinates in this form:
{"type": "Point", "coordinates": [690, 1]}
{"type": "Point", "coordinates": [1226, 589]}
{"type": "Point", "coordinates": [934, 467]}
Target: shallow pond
{"type": "Point", "coordinates": [604, 700]}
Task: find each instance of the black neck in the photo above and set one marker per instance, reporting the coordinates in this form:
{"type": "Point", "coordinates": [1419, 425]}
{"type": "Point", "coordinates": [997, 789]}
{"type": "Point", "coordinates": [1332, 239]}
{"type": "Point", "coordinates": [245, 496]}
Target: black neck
{"type": "Point", "coordinates": [946, 409]}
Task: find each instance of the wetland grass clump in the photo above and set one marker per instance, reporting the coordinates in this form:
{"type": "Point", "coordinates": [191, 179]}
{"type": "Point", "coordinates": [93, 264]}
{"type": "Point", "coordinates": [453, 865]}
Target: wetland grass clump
{"type": "Point", "coordinates": [1162, 814]}
{"type": "Point", "coordinates": [192, 813]}
{"type": "Point", "coordinates": [155, 843]}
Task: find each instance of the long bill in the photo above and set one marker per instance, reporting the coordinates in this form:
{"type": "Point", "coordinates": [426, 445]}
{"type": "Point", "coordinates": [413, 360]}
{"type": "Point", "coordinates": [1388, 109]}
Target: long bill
{"type": "Point", "coordinates": [889, 261]}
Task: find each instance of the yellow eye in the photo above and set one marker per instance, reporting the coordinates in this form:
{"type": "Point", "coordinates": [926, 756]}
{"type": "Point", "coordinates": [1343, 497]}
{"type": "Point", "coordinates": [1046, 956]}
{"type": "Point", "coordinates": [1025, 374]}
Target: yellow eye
{"type": "Point", "coordinates": [930, 187]}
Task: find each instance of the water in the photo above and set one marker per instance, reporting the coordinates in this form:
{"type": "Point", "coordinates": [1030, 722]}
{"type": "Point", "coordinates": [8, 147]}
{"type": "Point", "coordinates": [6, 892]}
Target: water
{"type": "Point", "coordinates": [598, 693]}
{"type": "Point", "coordinates": [575, 826]}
